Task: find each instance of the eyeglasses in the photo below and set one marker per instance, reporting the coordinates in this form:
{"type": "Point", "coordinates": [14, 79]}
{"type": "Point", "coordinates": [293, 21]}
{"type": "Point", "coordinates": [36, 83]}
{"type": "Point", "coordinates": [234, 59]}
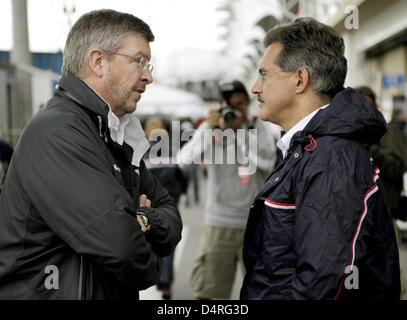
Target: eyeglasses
{"type": "Point", "coordinates": [142, 62]}
{"type": "Point", "coordinates": [262, 74]}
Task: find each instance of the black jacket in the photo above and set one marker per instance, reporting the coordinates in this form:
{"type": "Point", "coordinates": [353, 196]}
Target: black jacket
{"type": "Point", "coordinates": [70, 200]}
{"type": "Point", "coordinates": [322, 210]}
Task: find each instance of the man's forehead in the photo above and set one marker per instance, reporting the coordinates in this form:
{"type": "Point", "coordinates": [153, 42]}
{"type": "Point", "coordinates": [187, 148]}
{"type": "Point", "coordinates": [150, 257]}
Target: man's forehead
{"type": "Point", "coordinates": [270, 55]}
{"type": "Point", "coordinates": [137, 44]}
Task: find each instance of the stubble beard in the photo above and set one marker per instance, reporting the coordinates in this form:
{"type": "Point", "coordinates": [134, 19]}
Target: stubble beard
{"type": "Point", "coordinates": [119, 95]}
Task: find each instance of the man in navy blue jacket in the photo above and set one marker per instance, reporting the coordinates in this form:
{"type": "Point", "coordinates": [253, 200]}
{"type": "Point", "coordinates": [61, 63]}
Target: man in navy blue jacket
{"type": "Point", "coordinates": [320, 227]}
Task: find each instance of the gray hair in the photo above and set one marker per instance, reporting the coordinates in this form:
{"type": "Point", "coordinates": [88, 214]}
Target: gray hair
{"type": "Point", "coordinates": [103, 29]}
{"type": "Point", "coordinates": [314, 46]}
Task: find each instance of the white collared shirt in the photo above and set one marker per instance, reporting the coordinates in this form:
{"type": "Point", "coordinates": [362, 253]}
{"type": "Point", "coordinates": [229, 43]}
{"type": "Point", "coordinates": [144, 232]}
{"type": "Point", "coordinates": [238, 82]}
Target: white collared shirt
{"type": "Point", "coordinates": [116, 126]}
{"type": "Point", "coordinates": [284, 143]}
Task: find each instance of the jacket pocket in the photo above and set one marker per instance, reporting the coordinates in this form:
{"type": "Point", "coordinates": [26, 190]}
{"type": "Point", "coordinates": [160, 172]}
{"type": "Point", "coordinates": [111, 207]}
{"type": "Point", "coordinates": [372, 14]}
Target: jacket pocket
{"type": "Point", "coordinates": [278, 237]}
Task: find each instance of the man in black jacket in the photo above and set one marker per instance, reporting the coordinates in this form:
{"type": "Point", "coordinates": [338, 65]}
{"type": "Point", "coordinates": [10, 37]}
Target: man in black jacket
{"type": "Point", "coordinates": [320, 227]}
{"type": "Point", "coordinates": [80, 215]}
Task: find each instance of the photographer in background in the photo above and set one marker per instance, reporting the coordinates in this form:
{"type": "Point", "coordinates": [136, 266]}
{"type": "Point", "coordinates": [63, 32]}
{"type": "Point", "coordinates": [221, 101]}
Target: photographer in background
{"type": "Point", "coordinates": [230, 189]}
{"type": "Point", "coordinates": [233, 112]}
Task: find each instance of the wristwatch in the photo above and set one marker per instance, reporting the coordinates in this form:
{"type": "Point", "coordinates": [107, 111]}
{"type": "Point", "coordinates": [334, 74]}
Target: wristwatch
{"type": "Point", "coordinates": [145, 219]}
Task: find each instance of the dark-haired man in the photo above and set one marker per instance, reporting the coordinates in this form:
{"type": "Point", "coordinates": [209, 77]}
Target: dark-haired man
{"type": "Point", "coordinates": [320, 227]}
{"type": "Point", "coordinates": [80, 215]}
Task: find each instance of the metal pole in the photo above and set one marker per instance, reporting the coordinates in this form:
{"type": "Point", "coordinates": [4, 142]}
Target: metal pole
{"type": "Point", "coordinates": [20, 52]}
{"type": "Point", "coordinates": [21, 105]}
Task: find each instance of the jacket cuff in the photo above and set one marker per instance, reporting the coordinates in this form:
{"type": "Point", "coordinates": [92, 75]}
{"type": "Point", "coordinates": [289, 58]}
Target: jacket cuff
{"type": "Point", "coordinates": [155, 221]}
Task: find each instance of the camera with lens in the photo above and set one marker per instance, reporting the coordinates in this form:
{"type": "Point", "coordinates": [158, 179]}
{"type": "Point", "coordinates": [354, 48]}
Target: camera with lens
{"type": "Point", "coordinates": [228, 113]}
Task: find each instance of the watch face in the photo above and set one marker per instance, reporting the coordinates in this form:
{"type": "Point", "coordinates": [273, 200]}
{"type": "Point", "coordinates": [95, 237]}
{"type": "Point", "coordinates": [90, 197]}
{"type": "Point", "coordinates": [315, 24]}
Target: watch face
{"type": "Point", "coordinates": [145, 219]}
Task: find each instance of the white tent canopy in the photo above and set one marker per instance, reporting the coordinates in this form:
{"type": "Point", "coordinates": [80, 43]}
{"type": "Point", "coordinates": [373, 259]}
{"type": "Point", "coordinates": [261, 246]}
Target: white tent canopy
{"type": "Point", "coordinates": [170, 102]}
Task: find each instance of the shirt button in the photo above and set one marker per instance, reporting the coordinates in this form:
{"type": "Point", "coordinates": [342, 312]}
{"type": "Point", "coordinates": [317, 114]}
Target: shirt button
{"type": "Point", "coordinates": [296, 155]}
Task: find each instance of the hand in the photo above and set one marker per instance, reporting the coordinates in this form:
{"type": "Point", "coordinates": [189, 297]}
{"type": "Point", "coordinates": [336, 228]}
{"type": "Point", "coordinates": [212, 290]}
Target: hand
{"type": "Point", "coordinates": [213, 118]}
{"type": "Point", "coordinates": [144, 202]}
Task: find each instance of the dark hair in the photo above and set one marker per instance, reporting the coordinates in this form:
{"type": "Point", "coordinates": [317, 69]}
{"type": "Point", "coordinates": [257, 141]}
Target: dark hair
{"type": "Point", "coordinates": [368, 92]}
{"type": "Point", "coordinates": [103, 29]}
{"type": "Point", "coordinates": [317, 47]}
{"type": "Point", "coordinates": [228, 88]}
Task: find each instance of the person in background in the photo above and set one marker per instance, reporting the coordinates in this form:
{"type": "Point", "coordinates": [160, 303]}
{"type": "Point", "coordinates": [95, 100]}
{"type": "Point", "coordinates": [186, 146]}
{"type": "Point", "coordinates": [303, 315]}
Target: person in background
{"type": "Point", "coordinates": [229, 188]}
{"type": "Point", "coordinates": [390, 156]}
{"type": "Point", "coordinates": [399, 120]}
{"type": "Point", "coordinates": [192, 172]}
{"type": "Point", "coordinates": [170, 176]}
{"type": "Point", "coordinates": [6, 152]}
{"type": "Point", "coordinates": [81, 217]}
{"type": "Point", "coordinates": [320, 227]}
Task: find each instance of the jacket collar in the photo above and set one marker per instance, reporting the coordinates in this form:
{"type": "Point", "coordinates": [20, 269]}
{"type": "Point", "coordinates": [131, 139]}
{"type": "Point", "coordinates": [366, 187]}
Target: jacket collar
{"type": "Point", "coordinates": [285, 141]}
{"type": "Point", "coordinates": [88, 98]}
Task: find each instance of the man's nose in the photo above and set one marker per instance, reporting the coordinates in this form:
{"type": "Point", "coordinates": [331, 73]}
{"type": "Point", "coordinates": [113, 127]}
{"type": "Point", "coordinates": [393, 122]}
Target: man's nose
{"type": "Point", "coordinates": [147, 76]}
{"type": "Point", "coordinates": [256, 87]}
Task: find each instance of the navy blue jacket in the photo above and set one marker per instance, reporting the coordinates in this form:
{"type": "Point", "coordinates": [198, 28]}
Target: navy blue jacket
{"type": "Point", "coordinates": [320, 227]}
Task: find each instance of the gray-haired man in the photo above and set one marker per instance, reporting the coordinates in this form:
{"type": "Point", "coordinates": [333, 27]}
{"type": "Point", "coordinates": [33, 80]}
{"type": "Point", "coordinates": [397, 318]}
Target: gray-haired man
{"type": "Point", "coordinates": [80, 215]}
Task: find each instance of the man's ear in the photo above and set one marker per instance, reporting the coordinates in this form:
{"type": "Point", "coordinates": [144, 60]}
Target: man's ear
{"type": "Point", "coordinates": [96, 58]}
{"type": "Point", "coordinates": [302, 80]}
